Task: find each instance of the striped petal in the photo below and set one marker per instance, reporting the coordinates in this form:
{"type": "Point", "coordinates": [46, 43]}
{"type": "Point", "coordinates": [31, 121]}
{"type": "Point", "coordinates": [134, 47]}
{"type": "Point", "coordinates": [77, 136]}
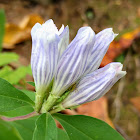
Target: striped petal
{"type": "Point", "coordinates": [94, 85]}
{"type": "Point", "coordinates": [44, 56]}
{"type": "Point", "coordinates": [73, 61]}
{"type": "Point", "coordinates": [103, 40]}
{"type": "Point", "coordinates": [64, 39]}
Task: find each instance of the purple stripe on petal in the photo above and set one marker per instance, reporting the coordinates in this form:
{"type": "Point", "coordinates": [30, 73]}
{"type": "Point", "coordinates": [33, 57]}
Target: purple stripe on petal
{"type": "Point", "coordinates": [94, 85]}
{"type": "Point", "coordinates": [103, 40]}
{"type": "Point", "coordinates": [44, 58]}
{"type": "Point", "coordinates": [72, 63]}
{"type": "Point", "coordinates": [64, 41]}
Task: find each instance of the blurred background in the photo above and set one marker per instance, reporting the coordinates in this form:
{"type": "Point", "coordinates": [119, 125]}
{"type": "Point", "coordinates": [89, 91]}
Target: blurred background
{"type": "Point", "coordinates": [120, 107]}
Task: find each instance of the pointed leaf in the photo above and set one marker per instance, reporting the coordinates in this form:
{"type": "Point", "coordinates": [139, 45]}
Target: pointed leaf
{"type": "Point", "coordinates": [62, 135]}
{"type": "Point", "coordinates": [45, 128]}
{"type": "Point", "coordinates": [87, 128]}
{"type": "Point", "coordinates": [12, 98]}
{"type": "Point", "coordinates": [23, 110]}
{"type": "Point", "coordinates": [25, 127]}
{"type": "Point", "coordinates": [20, 111]}
{"type": "Point", "coordinates": [30, 94]}
{"type": "Point", "coordinates": [8, 132]}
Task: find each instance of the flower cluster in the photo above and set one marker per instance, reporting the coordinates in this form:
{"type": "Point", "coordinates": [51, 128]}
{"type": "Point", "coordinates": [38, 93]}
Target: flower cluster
{"type": "Point", "coordinates": [67, 75]}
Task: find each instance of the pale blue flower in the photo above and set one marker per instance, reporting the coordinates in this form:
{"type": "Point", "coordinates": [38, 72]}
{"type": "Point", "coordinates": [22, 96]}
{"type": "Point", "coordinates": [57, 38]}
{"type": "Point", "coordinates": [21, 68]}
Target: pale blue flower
{"type": "Point", "coordinates": [103, 40]}
{"type": "Point", "coordinates": [74, 60]}
{"type": "Point", "coordinates": [54, 61]}
{"type": "Point", "coordinates": [47, 45]}
{"type": "Point", "coordinates": [94, 85]}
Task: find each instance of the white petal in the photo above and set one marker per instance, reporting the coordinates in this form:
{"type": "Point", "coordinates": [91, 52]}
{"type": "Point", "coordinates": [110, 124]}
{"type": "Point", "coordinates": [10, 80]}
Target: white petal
{"type": "Point", "coordinates": [95, 85]}
{"type": "Point", "coordinates": [44, 58]}
{"type": "Point", "coordinates": [35, 28]}
{"type": "Point", "coordinates": [73, 62]}
{"type": "Point", "coordinates": [61, 29]}
{"type": "Point", "coordinates": [102, 42]}
{"type": "Point", "coordinates": [50, 27]}
{"type": "Point", "coordinates": [64, 40]}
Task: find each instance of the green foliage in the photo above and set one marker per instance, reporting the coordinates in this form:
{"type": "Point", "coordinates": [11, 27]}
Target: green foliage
{"type": "Point", "coordinates": [6, 58]}
{"type": "Point", "coordinates": [87, 128]}
{"type": "Point", "coordinates": [14, 76]}
{"type": "Point", "coordinates": [5, 71]}
{"type": "Point", "coordinates": [31, 83]}
{"type": "Point", "coordinates": [62, 135]}
{"type": "Point", "coordinates": [30, 94]}
{"type": "Point", "coordinates": [120, 58]}
{"type": "Point", "coordinates": [12, 98]}
{"type": "Point", "coordinates": [8, 132]}
{"type": "Point", "coordinates": [45, 128]}
{"type": "Point", "coordinates": [20, 111]}
{"type": "Point", "coordinates": [2, 27]}
{"type": "Point", "coordinates": [14, 102]}
{"type": "Point", "coordinates": [25, 127]}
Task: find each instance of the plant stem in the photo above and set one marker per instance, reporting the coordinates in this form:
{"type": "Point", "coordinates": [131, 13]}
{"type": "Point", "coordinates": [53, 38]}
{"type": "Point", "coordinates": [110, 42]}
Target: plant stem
{"type": "Point", "coordinates": [20, 117]}
{"type": "Point", "coordinates": [57, 108]}
{"type": "Point", "coordinates": [39, 98]}
{"type": "Point", "coordinates": [38, 102]}
{"type": "Point", "coordinates": [48, 104]}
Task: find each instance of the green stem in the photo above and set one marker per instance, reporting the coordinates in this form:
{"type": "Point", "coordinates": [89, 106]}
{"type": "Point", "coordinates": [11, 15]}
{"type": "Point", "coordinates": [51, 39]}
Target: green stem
{"type": "Point", "coordinates": [38, 102]}
{"type": "Point", "coordinates": [48, 104]}
{"type": "Point", "coordinates": [41, 94]}
{"type": "Point", "coordinates": [20, 117]}
{"type": "Point", "coordinates": [57, 108]}
{"type": "Point", "coordinates": [39, 98]}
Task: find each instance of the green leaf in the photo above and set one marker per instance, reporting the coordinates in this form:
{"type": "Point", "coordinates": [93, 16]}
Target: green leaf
{"type": "Point", "coordinates": [15, 76]}
{"type": "Point", "coordinates": [30, 94]}
{"type": "Point", "coordinates": [45, 128]}
{"type": "Point", "coordinates": [12, 98]}
{"type": "Point", "coordinates": [31, 83]}
{"type": "Point", "coordinates": [25, 127]}
{"type": "Point", "coordinates": [5, 71]}
{"type": "Point", "coordinates": [2, 27]}
{"type": "Point", "coordinates": [6, 58]}
{"type": "Point", "coordinates": [120, 58]}
{"type": "Point", "coordinates": [8, 132]}
{"type": "Point", "coordinates": [87, 128]}
{"type": "Point", "coordinates": [62, 135]}
{"type": "Point", "coordinates": [23, 110]}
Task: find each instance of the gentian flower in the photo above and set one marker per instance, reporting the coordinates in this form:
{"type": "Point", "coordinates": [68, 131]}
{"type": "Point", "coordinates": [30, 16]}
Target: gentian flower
{"type": "Point", "coordinates": [47, 45]}
{"type": "Point", "coordinates": [58, 67]}
{"type": "Point", "coordinates": [94, 85]}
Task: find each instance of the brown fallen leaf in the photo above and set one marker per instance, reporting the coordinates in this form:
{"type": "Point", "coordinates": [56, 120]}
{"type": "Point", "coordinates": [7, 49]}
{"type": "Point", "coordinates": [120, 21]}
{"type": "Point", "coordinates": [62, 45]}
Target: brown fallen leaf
{"type": "Point", "coordinates": [15, 34]}
{"type": "Point", "coordinates": [136, 102]}
{"type": "Point", "coordinates": [97, 109]}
